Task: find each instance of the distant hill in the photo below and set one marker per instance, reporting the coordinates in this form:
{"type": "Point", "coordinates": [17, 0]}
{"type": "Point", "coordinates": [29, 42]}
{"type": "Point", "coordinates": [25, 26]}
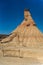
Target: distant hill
{"type": "Point", "coordinates": [2, 36]}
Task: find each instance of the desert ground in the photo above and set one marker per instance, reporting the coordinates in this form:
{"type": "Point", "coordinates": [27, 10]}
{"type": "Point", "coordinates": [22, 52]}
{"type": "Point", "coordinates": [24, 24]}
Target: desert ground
{"type": "Point", "coordinates": [20, 61]}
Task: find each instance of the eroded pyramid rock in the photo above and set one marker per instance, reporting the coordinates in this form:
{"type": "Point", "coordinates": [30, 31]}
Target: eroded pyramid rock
{"type": "Point", "coordinates": [26, 40]}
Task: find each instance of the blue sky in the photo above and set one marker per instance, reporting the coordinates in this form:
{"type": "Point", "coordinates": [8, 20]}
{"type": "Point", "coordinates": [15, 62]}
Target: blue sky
{"type": "Point", "coordinates": [11, 14]}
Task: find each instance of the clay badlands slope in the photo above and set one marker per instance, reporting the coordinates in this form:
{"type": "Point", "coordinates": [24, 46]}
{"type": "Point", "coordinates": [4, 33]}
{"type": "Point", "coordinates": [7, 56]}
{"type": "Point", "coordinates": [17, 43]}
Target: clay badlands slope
{"type": "Point", "coordinates": [25, 41]}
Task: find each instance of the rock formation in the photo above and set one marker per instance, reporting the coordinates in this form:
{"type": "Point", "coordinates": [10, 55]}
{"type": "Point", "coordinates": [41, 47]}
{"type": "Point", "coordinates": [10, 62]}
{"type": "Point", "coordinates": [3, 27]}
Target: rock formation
{"type": "Point", "coordinates": [25, 41]}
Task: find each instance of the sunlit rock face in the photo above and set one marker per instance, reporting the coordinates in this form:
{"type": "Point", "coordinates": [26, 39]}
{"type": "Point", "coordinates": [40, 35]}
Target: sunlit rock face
{"type": "Point", "coordinates": [25, 41]}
